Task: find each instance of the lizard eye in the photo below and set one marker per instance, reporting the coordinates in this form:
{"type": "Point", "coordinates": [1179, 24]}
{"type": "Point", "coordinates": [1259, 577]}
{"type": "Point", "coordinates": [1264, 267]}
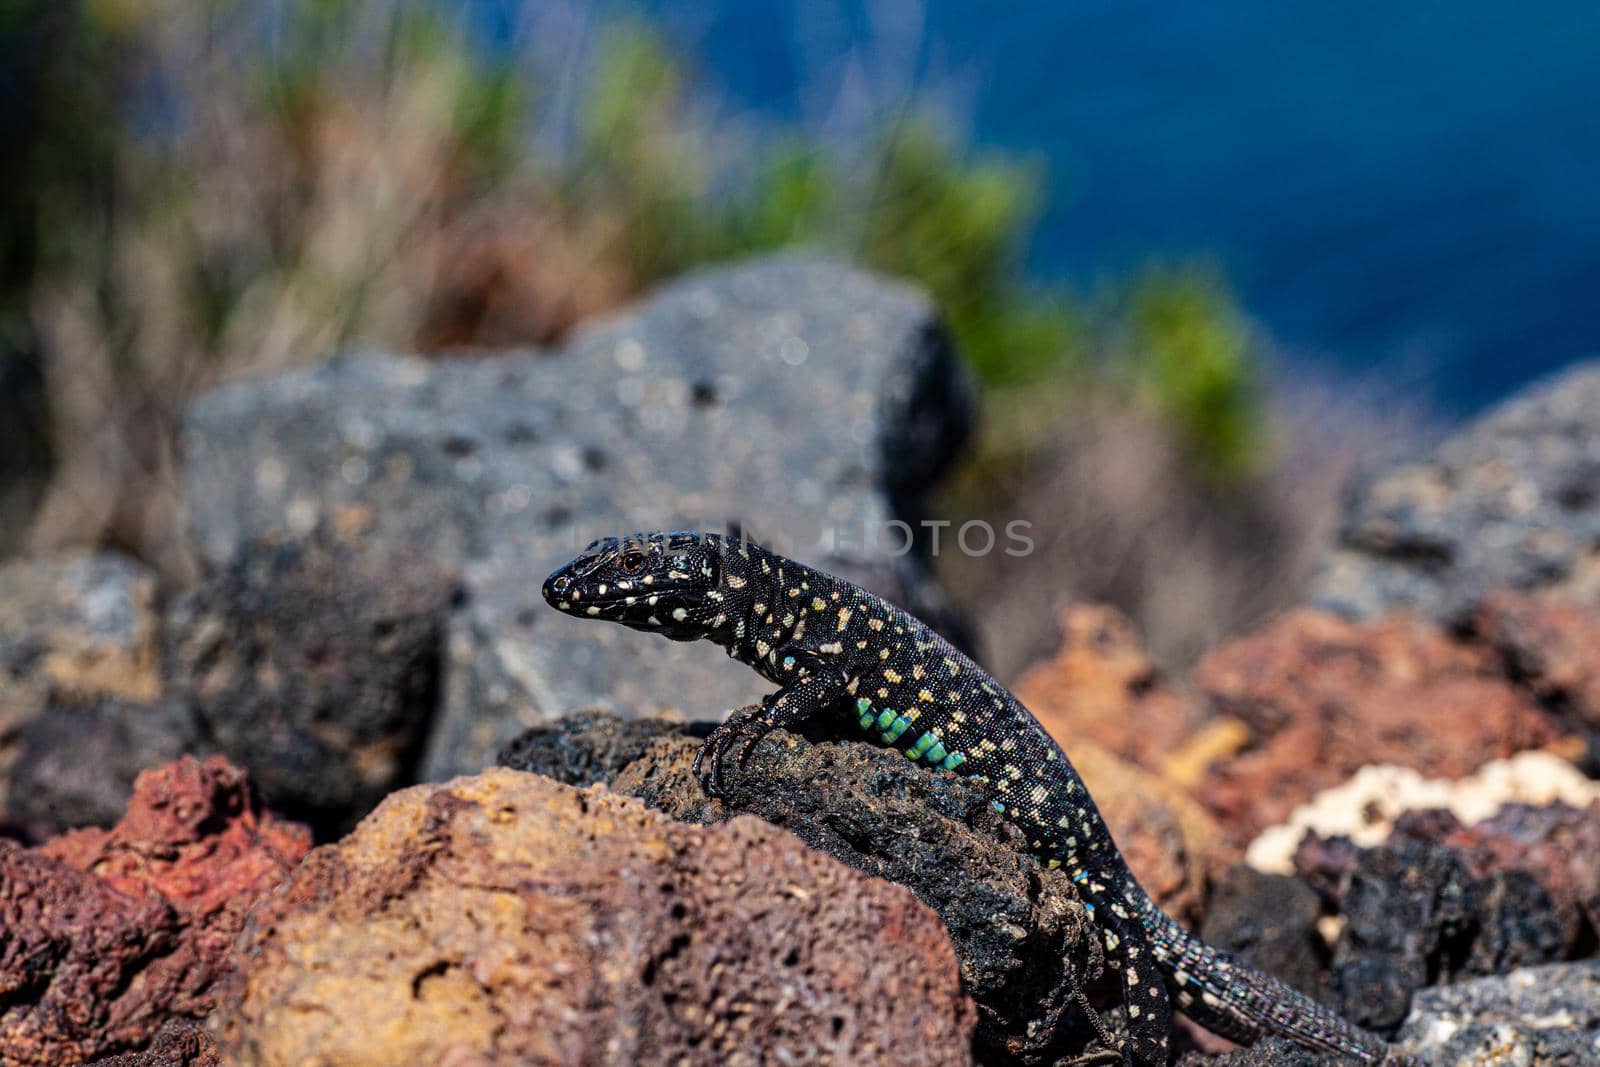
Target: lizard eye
{"type": "Point", "coordinates": [631, 562]}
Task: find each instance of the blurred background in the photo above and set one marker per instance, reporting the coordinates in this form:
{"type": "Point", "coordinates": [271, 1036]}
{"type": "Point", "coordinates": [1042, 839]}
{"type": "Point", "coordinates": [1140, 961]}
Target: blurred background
{"type": "Point", "coordinates": [1204, 262]}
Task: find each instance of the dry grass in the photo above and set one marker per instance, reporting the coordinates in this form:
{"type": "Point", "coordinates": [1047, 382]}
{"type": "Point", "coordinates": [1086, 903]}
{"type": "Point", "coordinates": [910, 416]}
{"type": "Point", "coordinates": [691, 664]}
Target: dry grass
{"type": "Point", "coordinates": [264, 230]}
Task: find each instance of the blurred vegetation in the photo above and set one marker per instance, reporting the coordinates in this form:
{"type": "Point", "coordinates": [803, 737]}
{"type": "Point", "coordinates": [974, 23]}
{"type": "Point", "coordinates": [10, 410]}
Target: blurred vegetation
{"type": "Point", "coordinates": [208, 188]}
{"type": "Point", "coordinates": [1188, 349]}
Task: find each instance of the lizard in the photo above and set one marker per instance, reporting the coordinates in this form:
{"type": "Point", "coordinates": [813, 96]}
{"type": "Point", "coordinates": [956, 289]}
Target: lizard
{"type": "Point", "coordinates": [834, 649]}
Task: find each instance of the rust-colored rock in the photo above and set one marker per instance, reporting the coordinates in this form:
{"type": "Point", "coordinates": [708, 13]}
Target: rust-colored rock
{"type": "Point", "coordinates": [1550, 645]}
{"type": "Point", "coordinates": [1129, 732]}
{"type": "Point", "coordinates": [109, 934]}
{"type": "Point", "coordinates": [1101, 684]}
{"type": "Point", "coordinates": [505, 918]}
{"type": "Point", "coordinates": [195, 833]}
{"type": "Point", "coordinates": [1324, 696]}
{"type": "Point", "coordinates": [72, 949]}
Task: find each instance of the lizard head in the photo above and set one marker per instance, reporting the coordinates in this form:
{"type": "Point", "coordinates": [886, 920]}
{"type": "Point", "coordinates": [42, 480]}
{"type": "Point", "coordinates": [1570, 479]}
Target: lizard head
{"type": "Point", "coordinates": [666, 583]}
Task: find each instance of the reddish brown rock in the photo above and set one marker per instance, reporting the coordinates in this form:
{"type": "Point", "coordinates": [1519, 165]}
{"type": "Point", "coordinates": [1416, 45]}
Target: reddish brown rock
{"type": "Point", "coordinates": [1323, 697]}
{"type": "Point", "coordinates": [72, 949]}
{"type": "Point", "coordinates": [195, 834]}
{"type": "Point", "coordinates": [1130, 734]}
{"type": "Point", "coordinates": [1552, 646]}
{"type": "Point", "coordinates": [109, 934]}
{"type": "Point", "coordinates": [506, 918]}
{"type": "Point", "coordinates": [1101, 684]}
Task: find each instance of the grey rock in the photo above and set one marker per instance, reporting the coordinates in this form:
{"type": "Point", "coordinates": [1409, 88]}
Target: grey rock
{"type": "Point", "coordinates": [314, 663]}
{"type": "Point", "coordinates": [78, 624]}
{"type": "Point", "coordinates": [1533, 1017]}
{"type": "Point", "coordinates": [75, 765]}
{"type": "Point", "coordinates": [1518, 925]}
{"type": "Point", "coordinates": [791, 395]}
{"type": "Point", "coordinates": [78, 636]}
{"type": "Point", "coordinates": [1512, 500]}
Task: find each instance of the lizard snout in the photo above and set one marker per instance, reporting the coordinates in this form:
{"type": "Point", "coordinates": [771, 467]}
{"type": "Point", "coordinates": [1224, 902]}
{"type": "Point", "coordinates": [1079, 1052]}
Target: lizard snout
{"type": "Point", "coordinates": [556, 586]}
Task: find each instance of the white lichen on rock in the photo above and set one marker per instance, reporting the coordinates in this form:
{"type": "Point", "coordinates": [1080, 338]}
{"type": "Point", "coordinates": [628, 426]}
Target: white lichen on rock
{"type": "Point", "coordinates": [1365, 807]}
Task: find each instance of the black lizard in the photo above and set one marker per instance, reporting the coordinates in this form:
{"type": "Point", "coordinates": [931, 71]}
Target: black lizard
{"type": "Point", "coordinates": [835, 649]}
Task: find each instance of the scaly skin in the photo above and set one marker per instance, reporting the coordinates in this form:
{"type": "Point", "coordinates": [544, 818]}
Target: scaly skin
{"type": "Point", "coordinates": [834, 649]}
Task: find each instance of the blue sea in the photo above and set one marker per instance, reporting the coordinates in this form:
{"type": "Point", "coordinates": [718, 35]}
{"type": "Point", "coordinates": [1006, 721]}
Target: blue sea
{"type": "Point", "coordinates": [1407, 192]}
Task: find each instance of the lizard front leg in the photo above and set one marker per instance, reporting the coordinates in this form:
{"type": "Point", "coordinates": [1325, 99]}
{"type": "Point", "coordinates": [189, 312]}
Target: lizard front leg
{"type": "Point", "coordinates": [817, 686]}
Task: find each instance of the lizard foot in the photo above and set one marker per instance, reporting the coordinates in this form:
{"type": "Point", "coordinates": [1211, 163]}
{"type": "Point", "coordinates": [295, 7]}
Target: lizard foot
{"type": "Point", "coordinates": [739, 736]}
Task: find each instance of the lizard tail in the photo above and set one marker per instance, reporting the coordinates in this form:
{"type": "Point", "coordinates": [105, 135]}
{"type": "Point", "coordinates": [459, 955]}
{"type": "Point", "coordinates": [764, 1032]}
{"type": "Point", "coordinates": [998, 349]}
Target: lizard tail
{"type": "Point", "coordinates": [1234, 1000]}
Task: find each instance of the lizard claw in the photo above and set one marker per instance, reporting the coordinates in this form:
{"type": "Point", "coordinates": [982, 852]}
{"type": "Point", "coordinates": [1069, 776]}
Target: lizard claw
{"type": "Point", "coordinates": [738, 735]}
{"type": "Point", "coordinates": [748, 743]}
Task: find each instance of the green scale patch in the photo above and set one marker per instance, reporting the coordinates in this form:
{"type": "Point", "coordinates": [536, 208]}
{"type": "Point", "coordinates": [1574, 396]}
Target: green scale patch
{"type": "Point", "coordinates": [893, 725]}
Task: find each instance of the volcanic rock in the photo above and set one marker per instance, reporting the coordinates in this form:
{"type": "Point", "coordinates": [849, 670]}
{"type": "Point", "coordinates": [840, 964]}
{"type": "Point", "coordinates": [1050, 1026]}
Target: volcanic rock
{"type": "Point", "coordinates": [798, 394]}
{"type": "Point", "coordinates": [1552, 647]}
{"type": "Point", "coordinates": [508, 919]}
{"type": "Point", "coordinates": [108, 935]}
{"type": "Point", "coordinates": [1324, 697]}
{"type": "Point", "coordinates": [1021, 935]}
{"type": "Point", "coordinates": [81, 711]}
{"type": "Point", "coordinates": [1540, 1016]}
{"type": "Point", "coordinates": [1512, 500]}
{"type": "Point", "coordinates": [315, 662]}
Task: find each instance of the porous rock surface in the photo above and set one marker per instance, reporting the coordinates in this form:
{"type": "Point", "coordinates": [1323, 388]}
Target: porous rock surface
{"type": "Point", "coordinates": [106, 935]}
{"type": "Point", "coordinates": [1512, 500]}
{"type": "Point", "coordinates": [794, 395]}
{"type": "Point", "coordinates": [586, 746]}
{"type": "Point", "coordinates": [179, 1043]}
{"type": "Point", "coordinates": [508, 919]}
{"type": "Point", "coordinates": [1022, 936]}
{"type": "Point", "coordinates": [315, 661]}
{"type": "Point", "coordinates": [1273, 1052]}
{"type": "Point", "coordinates": [1536, 1017]}
{"type": "Point", "coordinates": [72, 949]}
